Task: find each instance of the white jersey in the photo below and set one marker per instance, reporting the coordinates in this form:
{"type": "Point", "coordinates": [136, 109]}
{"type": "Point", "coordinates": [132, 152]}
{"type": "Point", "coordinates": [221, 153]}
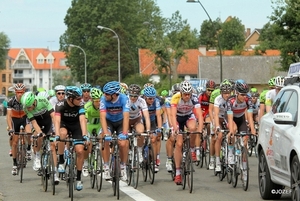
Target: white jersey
{"type": "Point", "coordinates": [220, 102]}
{"type": "Point", "coordinates": [136, 108]}
{"type": "Point", "coordinates": [270, 97]}
{"type": "Point", "coordinates": [53, 100]}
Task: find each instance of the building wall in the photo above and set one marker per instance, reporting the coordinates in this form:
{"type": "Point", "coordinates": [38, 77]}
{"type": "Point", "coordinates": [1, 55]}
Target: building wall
{"type": "Point", "coordinates": [6, 77]}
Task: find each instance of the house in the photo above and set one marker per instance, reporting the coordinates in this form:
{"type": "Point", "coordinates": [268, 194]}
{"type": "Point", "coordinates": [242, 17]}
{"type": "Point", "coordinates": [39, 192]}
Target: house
{"type": "Point", "coordinates": [34, 66]}
{"type": "Point", "coordinates": [6, 76]}
{"type": "Point", "coordinates": [251, 40]}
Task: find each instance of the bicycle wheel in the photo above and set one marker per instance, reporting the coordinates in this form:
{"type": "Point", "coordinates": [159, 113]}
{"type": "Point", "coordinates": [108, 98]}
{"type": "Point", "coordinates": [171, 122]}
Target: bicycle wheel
{"type": "Point", "coordinates": [250, 146]}
{"type": "Point", "coordinates": [222, 160]}
{"type": "Point", "coordinates": [144, 164]}
{"type": "Point", "coordinates": [206, 156]}
{"type": "Point", "coordinates": [173, 173]}
{"type": "Point", "coordinates": [98, 166]}
{"type": "Point", "coordinates": [235, 171]}
{"type": "Point", "coordinates": [44, 177]}
{"type": "Point", "coordinates": [52, 172]}
{"type": "Point", "coordinates": [244, 170]}
{"type": "Point", "coordinates": [71, 178]}
{"type": "Point", "coordinates": [116, 175]}
{"type": "Point", "coordinates": [129, 164]}
{"type": "Point", "coordinates": [183, 170]}
{"type": "Point", "coordinates": [134, 171]}
{"type": "Point", "coordinates": [151, 165]}
{"type": "Point", "coordinates": [92, 159]}
{"type": "Point", "coordinates": [189, 170]}
{"type": "Point", "coordinates": [21, 161]}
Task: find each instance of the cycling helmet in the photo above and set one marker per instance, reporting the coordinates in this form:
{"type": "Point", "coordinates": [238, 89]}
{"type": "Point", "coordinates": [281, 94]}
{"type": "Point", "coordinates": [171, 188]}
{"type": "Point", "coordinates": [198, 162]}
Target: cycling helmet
{"type": "Point", "coordinates": [175, 88]}
{"type": "Point", "coordinates": [86, 86]}
{"type": "Point", "coordinates": [241, 86]}
{"type": "Point", "coordinates": [60, 88]}
{"type": "Point", "coordinates": [43, 94]}
{"type": "Point", "coordinates": [186, 87]}
{"type": "Point", "coordinates": [134, 89]}
{"type": "Point", "coordinates": [73, 92]}
{"type": "Point", "coordinates": [112, 87]}
{"type": "Point", "coordinates": [271, 81]}
{"type": "Point", "coordinates": [19, 87]}
{"type": "Point", "coordinates": [95, 93]}
{"type": "Point", "coordinates": [148, 85]}
{"type": "Point", "coordinates": [149, 92]}
{"type": "Point", "coordinates": [279, 81]}
{"type": "Point", "coordinates": [253, 90]}
{"type": "Point", "coordinates": [27, 99]}
{"type": "Point", "coordinates": [255, 94]}
{"type": "Point", "coordinates": [226, 87]}
{"type": "Point", "coordinates": [124, 88]}
{"type": "Point", "coordinates": [210, 84]}
{"type": "Point", "coordinates": [51, 93]}
{"type": "Point", "coordinates": [164, 93]}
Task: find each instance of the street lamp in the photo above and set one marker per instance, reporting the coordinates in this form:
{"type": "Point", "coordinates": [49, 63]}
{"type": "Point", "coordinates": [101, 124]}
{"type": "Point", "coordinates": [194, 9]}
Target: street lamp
{"type": "Point", "coordinates": [85, 76]}
{"type": "Point", "coordinates": [221, 65]}
{"type": "Point", "coordinates": [119, 65]}
{"type": "Point", "coordinates": [52, 41]}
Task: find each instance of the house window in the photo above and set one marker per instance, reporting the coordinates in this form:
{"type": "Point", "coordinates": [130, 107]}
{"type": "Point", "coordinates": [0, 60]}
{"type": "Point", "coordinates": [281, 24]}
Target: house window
{"type": "Point", "coordinates": [40, 61]}
{"type": "Point", "coordinates": [49, 61]}
{"type": "Point", "coordinates": [41, 73]}
{"type": "Point", "coordinates": [41, 82]}
{"type": "Point", "coordinates": [9, 78]}
{"type": "Point", "coordinates": [3, 77]}
{"type": "Point", "coordinates": [62, 62]}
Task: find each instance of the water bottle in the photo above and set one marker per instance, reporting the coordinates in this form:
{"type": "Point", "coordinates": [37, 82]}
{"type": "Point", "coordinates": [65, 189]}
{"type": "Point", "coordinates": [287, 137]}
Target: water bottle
{"type": "Point", "coordinates": [183, 156]}
{"type": "Point", "coordinates": [130, 155]}
{"type": "Point", "coordinates": [146, 152]}
{"type": "Point", "coordinates": [45, 160]}
{"type": "Point", "coordinates": [66, 153]}
{"type": "Point", "coordinates": [238, 152]}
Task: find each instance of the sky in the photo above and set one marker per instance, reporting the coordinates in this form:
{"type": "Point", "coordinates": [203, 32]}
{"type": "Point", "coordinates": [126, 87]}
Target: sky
{"type": "Point", "coordinates": [40, 23]}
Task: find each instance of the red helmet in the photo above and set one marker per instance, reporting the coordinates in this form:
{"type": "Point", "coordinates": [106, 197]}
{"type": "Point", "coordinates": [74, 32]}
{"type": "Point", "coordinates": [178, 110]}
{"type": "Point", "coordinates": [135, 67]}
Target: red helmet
{"type": "Point", "coordinates": [210, 84]}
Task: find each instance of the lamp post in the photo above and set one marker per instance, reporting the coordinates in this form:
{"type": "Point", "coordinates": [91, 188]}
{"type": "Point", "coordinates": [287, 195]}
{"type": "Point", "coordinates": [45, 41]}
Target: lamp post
{"type": "Point", "coordinates": [119, 65]}
{"type": "Point", "coordinates": [221, 65]}
{"type": "Point", "coordinates": [51, 62]}
{"type": "Point", "coordinates": [85, 76]}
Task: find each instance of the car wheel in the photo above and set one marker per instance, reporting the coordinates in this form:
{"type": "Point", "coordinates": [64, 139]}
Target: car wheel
{"type": "Point", "coordinates": [266, 186]}
{"type": "Point", "coordinates": [295, 177]}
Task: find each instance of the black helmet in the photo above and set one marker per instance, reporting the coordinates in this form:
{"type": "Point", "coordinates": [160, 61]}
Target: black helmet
{"type": "Point", "coordinates": [241, 86]}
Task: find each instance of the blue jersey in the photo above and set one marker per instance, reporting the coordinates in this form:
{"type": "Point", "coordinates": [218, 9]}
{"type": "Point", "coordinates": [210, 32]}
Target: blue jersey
{"type": "Point", "coordinates": [153, 108]}
{"type": "Point", "coordinates": [114, 110]}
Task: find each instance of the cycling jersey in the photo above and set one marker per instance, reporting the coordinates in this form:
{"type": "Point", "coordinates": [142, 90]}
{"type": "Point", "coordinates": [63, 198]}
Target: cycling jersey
{"type": "Point", "coordinates": [41, 111]}
{"type": "Point", "coordinates": [114, 110]}
{"type": "Point", "coordinates": [238, 109]}
{"type": "Point", "coordinates": [256, 106]}
{"type": "Point", "coordinates": [91, 113]}
{"type": "Point", "coordinates": [136, 108]}
{"type": "Point", "coordinates": [184, 108]}
{"type": "Point", "coordinates": [270, 97]}
{"type": "Point", "coordinates": [220, 102]}
{"type": "Point", "coordinates": [16, 108]}
{"type": "Point", "coordinates": [53, 101]}
{"type": "Point", "coordinates": [262, 96]}
{"type": "Point", "coordinates": [153, 108]}
{"type": "Point", "coordinates": [204, 101]}
{"type": "Point", "coordinates": [69, 115]}
{"type": "Point", "coordinates": [214, 95]}
{"type": "Point", "coordinates": [168, 102]}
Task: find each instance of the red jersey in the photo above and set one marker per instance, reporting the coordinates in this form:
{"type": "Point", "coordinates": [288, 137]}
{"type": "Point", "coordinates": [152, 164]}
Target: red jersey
{"type": "Point", "coordinates": [204, 101]}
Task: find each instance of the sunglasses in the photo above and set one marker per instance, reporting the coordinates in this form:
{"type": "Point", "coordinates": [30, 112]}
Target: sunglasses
{"type": "Point", "coordinates": [133, 96]}
{"type": "Point", "coordinates": [60, 93]}
{"type": "Point", "coordinates": [187, 94]}
{"type": "Point", "coordinates": [210, 90]}
{"type": "Point", "coordinates": [19, 92]}
{"type": "Point", "coordinates": [106, 94]}
{"type": "Point", "coordinates": [150, 98]}
{"type": "Point", "coordinates": [243, 94]}
{"type": "Point", "coordinates": [78, 98]}
{"type": "Point", "coordinates": [86, 91]}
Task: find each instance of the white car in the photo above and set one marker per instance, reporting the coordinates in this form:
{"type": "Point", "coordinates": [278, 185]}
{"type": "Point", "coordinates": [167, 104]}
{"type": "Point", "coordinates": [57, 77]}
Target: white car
{"type": "Point", "coordinates": [279, 146]}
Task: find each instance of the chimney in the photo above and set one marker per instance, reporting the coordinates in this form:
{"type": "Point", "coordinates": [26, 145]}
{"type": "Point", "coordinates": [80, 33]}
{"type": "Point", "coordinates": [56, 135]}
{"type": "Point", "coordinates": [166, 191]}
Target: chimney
{"type": "Point", "coordinates": [248, 32]}
{"type": "Point", "coordinates": [202, 49]}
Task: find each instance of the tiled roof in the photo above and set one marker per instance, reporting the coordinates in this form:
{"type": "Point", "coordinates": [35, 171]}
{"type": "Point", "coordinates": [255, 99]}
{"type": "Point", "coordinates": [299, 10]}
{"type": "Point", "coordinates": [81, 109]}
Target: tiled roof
{"type": "Point", "coordinates": [188, 65]}
{"type": "Point", "coordinates": [32, 54]}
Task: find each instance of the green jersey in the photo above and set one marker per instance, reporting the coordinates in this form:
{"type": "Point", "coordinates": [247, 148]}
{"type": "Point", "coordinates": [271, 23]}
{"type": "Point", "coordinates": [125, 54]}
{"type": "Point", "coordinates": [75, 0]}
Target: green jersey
{"type": "Point", "coordinates": [41, 111]}
{"type": "Point", "coordinates": [93, 117]}
{"type": "Point", "coordinates": [214, 95]}
{"type": "Point", "coordinates": [262, 96]}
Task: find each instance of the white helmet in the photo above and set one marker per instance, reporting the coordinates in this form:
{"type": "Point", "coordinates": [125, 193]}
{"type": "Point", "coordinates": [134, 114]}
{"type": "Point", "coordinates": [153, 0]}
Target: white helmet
{"type": "Point", "coordinates": [43, 94]}
{"type": "Point", "coordinates": [186, 87]}
{"type": "Point", "coordinates": [60, 88]}
{"type": "Point", "coordinates": [279, 81]}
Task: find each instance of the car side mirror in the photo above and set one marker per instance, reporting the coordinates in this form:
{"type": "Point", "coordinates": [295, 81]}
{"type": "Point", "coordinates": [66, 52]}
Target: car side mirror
{"type": "Point", "coordinates": [284, 118]}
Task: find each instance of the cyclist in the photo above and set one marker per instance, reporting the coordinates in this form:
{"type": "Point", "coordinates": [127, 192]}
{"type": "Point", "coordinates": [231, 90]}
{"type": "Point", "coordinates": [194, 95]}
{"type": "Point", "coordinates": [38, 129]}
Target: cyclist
{"type": "Point", "coordinates": [182, 105]}
{"type": "Point", "coordinates": [70, 118]}
{"type": "Point", "coordinates": [124, 88]}
{"type": "Point", "coordinates": [114, 117]}
{"type": "Point", "coordinates": [166, 100]}
{"type": "Point", "coordinates": [262, 97]}
{"type": "Point", "coordinates": [219, 115]}
{"type": "Point", "coordinates": [171, 139]}
{"type": "Point", "coordinates": [270, 95]}
{"type": "Point", "coordinates": [204, 102]}
{"type": "Point", "coordinates": [86, 88]}
{"type": "Point", "coordinates": [154, 108]}
{"type": "Point", "coordinates": [237, 108]}
{"type": "Point", "coordinates": [15, 118]}
{"type": "Point", "coordinates": [93, 121]}
{"type": "Point", "coordinates": [40, 113]}
{"type": "Point", "coordinates": [256, 104]}
{"type": "Point", "coordinates": [59, 95]}
{"type": "Point", "coordinates": [138, 112]}
{"type": "Point", "coordinates": [51, 93]}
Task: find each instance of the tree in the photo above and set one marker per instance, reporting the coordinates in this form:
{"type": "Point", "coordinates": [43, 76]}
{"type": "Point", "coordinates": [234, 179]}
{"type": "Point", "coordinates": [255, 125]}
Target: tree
{"type": "Point", "coordinates": [286, 20]}
{"type": "Point", "coordinates": [125, 17]}
{"type": "Point", "coordinates": [208, 33]}
{"type": "Point", "coordinates": [232, 35]}
{"type": "Point", "coordinates": [63, 77]}
{"type": "Point", "coordinates": [4, 45]}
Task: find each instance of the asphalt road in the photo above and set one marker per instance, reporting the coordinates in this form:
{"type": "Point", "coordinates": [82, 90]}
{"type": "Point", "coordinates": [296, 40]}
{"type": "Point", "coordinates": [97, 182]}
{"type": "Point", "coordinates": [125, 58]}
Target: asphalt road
{"type": "Point", "coordinates": [206, 185]}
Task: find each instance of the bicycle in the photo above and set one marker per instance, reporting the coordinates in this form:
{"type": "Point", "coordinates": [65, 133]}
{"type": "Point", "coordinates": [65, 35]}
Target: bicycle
{"type": "Point", "coordinates": [70, 168]}
{"type": "Point", "coordinates": [252, 142]}
{"type": "Point", "coordinates": [149, 160]}
{"type": "Point", "coordinates": [240, 157]}
{"type": "Point", "coordinates": [223, 157]}
{"type": "Point", "coordinates": [95, 162]}
{"type": "Point", "coordinates": [187, 168]}
{"type": "Point", "coordinates": [48, 168]}
{"type": "Point", "coordinates": [204, 147]}
{"type": "Point", "coordinates": [133, 160]}
{"type": "Point", "coordinates": [21, 151]}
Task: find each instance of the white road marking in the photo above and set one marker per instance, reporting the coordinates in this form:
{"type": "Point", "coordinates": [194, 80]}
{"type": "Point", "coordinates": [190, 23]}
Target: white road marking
{"type": "Point", "coordinates": [133, 193]}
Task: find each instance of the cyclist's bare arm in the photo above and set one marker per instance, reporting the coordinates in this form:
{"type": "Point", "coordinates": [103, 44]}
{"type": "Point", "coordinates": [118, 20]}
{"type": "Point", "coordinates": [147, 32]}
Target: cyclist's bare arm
{"type": "Point", "coordinates": [103, 122]}
{"type": "Point", "coordinates": [9, 120]}
{"type": "Point", "coordinates": [173, 117]}
{"type": "Point", "coordinates": [125, 122]}
{"type": "Point", "coordinates": [56, 122]}
{"type": "Point", "coordinates": [147, 120]}
{"type": "Point", "coordinates": [82, 121]}
{"type": "Point", "coordinates": [36, 127]}
{"type": "Point", "coordinates": [211, 111]}
{"type": "Point", "coordinates": [159, 119]}
{"type": "Point", "coordinates": [216, 116]}
{"type": "Point", "coordinates": [200, 118]}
